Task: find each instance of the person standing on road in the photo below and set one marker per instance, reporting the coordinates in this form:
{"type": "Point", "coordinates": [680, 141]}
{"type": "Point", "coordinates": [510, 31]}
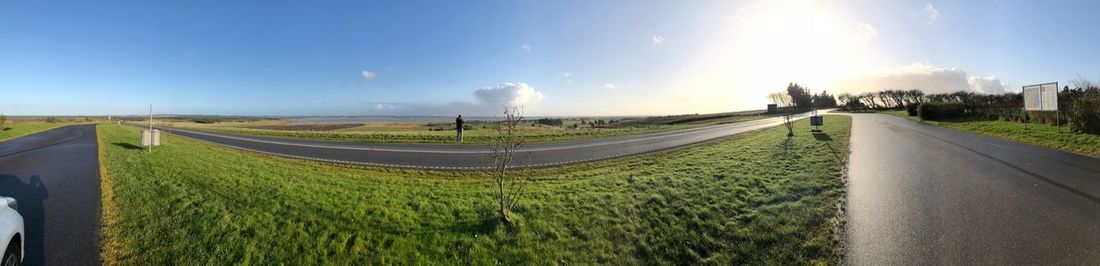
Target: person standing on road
{"type": "Point", "coordinates": [458, 129]}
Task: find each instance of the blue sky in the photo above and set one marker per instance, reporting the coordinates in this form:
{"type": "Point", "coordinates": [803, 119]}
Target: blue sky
{"type": "Point", "coordinates": [553, 57]}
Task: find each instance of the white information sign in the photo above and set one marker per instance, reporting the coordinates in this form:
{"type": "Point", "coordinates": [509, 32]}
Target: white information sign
{"type": "Point", "coordinates": [1041, 97]}
{"type": "Point", "coordinates": [1050, 96]}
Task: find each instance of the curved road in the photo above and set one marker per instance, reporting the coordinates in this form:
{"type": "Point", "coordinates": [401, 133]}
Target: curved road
{"type": "Point", "coordinates": [471, 156]}
{"type": "Point", "coordinates": [55, 177]}
{"type": "Point", "coordinates": [927, 195]}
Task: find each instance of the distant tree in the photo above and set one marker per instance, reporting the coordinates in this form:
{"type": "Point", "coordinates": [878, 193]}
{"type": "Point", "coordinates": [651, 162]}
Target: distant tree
{"type": "Point", "coordinates": [549, 122]}
{"type": "Point", "coordinates": [824, 100]}
{"type": "Point", "coordinates": [800, 96]}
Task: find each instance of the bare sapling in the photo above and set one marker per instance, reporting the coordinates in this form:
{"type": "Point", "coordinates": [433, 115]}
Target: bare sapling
{"type": "Point", "coordinates": [785, 105]}
{"type": "Point", "coordinates": [503, 148]}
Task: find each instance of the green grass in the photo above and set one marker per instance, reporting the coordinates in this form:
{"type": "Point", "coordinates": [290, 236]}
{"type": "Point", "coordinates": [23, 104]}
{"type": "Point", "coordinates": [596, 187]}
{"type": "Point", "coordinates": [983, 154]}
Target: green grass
{"type": "Point", "coordinates": [17, 129]}
{"type": "Point", "coordinates": [749, 199]}
{"type": "Point", "coordinates": [475, 136]}
{"type": "Point", "coordinates": [692, 119]}
{"type": "Point", "coordinates": [481, 132]}
{"type": "Point", "coordinates": [1059, 138]}
{"type": "Point", "coordinates": [1043, 135]}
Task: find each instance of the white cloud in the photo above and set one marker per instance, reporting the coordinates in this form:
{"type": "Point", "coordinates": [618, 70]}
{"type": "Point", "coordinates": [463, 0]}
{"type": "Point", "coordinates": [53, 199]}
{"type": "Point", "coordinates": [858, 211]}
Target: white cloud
{"type": "Point", "coordinates": [609, 86]}
{"type": "Point", "coordinates": [989, 84]}
{"type": "Point", "coordinates": [487, 101]}
{"type": "Point", "coordinates": [866, 32]}
{"type": "Point", "coordinates": [510, 94]}
{"type": "Point", "coordinates": [658, 39]}
{"type": "Point", "coordinates": [568, 77]}
{"type": "Point", "coordinates": [525, 47]}
{"type": "Point", "coordinates": [926, 77]}
{"type": "Point", "coordinates": [367, 74]}
{"type": "Point", "coordinates": [931, 12]}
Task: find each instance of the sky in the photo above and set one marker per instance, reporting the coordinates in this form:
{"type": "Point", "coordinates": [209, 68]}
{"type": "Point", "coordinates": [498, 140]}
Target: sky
{"type": "Point", "coordinates": [568, 58]}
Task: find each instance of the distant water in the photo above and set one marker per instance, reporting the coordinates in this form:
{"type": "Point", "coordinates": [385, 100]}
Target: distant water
{"type": "Point", "coordinates": [379, 118]}
{"type": "Point", "coordinates": [365, 119]}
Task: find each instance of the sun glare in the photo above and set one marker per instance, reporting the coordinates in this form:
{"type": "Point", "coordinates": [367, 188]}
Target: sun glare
{"type": "Point", "coordinates": [775, 42]}
{"type": "Point", "coordinates": [800, 42]}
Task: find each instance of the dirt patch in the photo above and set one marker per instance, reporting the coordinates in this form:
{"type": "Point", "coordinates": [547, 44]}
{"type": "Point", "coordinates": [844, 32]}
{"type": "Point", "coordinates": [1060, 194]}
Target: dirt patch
{"type": "Point", "coordinates": [310, 127]}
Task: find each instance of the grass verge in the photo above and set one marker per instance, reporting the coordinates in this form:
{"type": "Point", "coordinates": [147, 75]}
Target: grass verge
{"type": "Point", "coordinates": [1059, 138]}
{"type": "Point", "coordinates": [754, 198]}
{"type": "Point", "coordinates": [480, 133]}
{"type": "Point", "coordinates": [19, 129]}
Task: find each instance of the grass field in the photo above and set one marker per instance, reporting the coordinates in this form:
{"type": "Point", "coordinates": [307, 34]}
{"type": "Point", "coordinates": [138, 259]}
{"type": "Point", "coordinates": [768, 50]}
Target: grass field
{"type": "Point", "coordinates": [755, 198]}
{"type": "Point", "coordinates": [17, 129]}
{"type": "Point", "coordinates": [1037, 134]}
{"type": "Point", "coordinates": [480, 132]}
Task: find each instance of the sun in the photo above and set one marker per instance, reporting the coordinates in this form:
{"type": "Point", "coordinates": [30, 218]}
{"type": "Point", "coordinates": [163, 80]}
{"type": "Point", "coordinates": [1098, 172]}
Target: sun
{"type": "Point", "coordinates": [799, 41]}
{"type": "Point", "coordinates": [764, 46]}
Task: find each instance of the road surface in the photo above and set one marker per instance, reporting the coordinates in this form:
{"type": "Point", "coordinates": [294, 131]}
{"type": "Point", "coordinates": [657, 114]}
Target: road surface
{"type": "Point", "coordinates": [472, 156]}
{"type": "Point", "coordinates": [55, 177]}
{"type": "Point", "coordinates": [926, 195]}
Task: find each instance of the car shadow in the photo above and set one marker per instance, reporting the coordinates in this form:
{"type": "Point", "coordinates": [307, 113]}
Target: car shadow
{"type": "Point", "coordinates": [30, 197]}
{"type": "Point", "coordinates": [128, 146]}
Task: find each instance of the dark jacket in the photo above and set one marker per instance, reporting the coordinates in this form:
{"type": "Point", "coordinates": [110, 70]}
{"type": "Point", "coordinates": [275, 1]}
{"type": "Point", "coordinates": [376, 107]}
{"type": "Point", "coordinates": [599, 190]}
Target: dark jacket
{"type": "Point", "coordinates": [458, 123]}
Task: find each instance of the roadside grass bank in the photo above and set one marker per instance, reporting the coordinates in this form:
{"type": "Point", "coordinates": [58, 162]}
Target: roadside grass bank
{"type": "Point", "coordinates": [477, 136]}
{"type": "Point", "coordinates": [1059, 138]}
{"type": "Point", "coordinates": [753, 198]}
{"type": "Point", "coordinates": [480, 132]}
{"type": "Point", "coordinates": [22, 128]}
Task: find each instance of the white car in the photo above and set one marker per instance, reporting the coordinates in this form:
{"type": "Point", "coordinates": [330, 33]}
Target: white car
{"type": "Point", "coordinates": [11, 232]}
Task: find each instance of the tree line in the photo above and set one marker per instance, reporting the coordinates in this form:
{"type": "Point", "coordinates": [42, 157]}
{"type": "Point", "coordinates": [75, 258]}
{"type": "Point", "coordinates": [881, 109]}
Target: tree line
{"type": "Point", "coordinates": [1079, 106]}
{"type": "Point", "coordinates": [798, 97]}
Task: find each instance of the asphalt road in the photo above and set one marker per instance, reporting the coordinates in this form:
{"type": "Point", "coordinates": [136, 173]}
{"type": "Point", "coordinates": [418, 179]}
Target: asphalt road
{"type": "Point", "coordinates": [926, 195]}
{"type": "Point", "coordinates": [55, 177]}
{"type": "Point", "coordinates": [471, 156]}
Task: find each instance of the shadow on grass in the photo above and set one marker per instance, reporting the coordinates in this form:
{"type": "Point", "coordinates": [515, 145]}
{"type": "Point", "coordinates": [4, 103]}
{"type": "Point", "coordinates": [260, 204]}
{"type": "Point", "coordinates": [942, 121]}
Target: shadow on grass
{"type": "Point", "coordinates": [128, 146]}
{"type": "Point", "coordinates": [482, 226]}
{"type": "Point", "coordinates": [826, 139]}
{"type": "Point", "coordinates": [5, 129]}
{"type": "Point", "coordinates": [784, 151]}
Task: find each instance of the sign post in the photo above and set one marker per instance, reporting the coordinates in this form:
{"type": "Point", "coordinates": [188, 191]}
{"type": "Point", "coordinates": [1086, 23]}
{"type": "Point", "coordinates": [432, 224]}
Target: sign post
{"type": "Point", "coordinates": [1041, 97]}
{"type": "Point", "coordinates": [816, 120]}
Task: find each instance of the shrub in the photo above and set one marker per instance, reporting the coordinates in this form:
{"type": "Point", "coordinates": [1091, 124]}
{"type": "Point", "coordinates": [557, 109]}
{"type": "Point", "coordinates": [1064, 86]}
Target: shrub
{"type": "Point", "coordinates": [51, 120]}
{"type": "Point", "coordinates": [912, 109]}
{"type": "Point", "coordinates": [935, 111]}
{"type": "Point", "coordinates": [549, 122]}
{"type": "Point", "coordinates": [1084, 112]}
